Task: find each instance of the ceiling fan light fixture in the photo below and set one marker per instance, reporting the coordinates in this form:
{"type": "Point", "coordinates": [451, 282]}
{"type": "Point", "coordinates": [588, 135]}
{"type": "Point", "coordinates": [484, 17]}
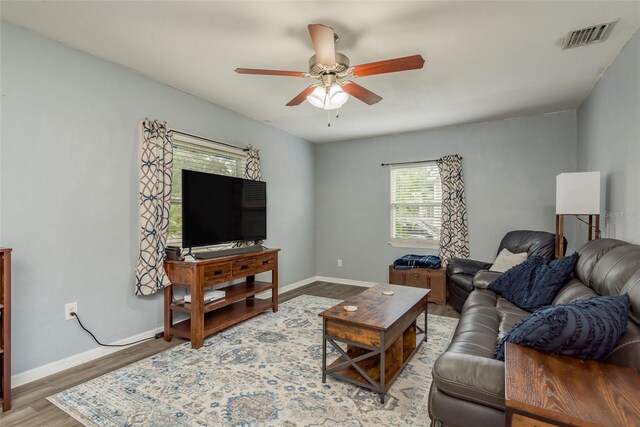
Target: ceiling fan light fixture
{"type": "Point", "coordinates": [328, 99]}
{"type": "Point", "coordinates": [317, 97]}
{"type": "Point", "coordinates": [337, 96]}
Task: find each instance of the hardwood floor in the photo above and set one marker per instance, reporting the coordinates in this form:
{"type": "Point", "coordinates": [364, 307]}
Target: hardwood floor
{"type": "Point", "coordinates": [29, 404]}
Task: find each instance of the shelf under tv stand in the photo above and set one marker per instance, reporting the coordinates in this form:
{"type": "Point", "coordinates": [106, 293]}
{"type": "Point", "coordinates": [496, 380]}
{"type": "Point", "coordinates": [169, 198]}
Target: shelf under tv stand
{"type": "Point", "coordinates": [239, 303]}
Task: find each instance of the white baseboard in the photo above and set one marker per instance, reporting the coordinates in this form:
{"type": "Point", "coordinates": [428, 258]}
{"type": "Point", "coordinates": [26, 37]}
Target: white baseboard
{"type": "Point", "coordinates": [98, 352]}
{"type": "Point", "coordinates": [76, 359]}
{"type": "Point", "coordinates": [346, 281]}
{"type": "Point", "coordinates": [290, 287]}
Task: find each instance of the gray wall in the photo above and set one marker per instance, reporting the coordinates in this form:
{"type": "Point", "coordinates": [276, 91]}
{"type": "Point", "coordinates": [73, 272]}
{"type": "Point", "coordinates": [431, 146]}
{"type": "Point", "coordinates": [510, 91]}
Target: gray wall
{"type": "Point", "coordinates": [69, 191]}
{"type": "Point", "coordinates": [509, 169]}
{"type": "Point", "coordinates": [609, 141]}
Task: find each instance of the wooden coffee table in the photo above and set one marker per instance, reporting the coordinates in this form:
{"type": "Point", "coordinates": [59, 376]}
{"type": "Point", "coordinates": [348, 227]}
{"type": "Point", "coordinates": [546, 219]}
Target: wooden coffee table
{"type": "Point", "coordinates": [381, 336]}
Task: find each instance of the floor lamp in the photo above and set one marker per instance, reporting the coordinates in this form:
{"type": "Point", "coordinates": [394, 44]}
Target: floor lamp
{"type": "Point", "coordinates": [577, 193]}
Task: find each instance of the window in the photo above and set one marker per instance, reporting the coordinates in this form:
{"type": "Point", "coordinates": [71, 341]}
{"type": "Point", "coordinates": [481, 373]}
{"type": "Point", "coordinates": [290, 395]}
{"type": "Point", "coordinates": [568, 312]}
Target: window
{"type": "Point", "coordinates": [198, 155]}
{"type": "Point", "coordinates": [416, 205]}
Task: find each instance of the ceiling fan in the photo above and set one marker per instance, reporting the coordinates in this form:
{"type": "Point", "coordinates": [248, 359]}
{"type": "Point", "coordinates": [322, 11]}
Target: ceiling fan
{"type": "Point", "coordinates": [330, 68]}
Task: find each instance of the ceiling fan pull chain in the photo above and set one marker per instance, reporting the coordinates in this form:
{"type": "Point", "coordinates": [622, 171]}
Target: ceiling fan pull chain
{"type": "Point", "coordinates": [337, 113]}
{"type": "Point", "coordinates": [328, 118]}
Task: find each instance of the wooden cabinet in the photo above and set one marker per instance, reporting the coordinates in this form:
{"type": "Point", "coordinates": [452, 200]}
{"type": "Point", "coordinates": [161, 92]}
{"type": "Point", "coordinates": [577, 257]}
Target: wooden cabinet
{"type": "Point", "coordinates": [238, 304]}
{"type": "Point", "coordinates": [5, 328]}
{"type": "Point", "coordinates": [543, 390]}
{"type": "Point", "coordinates": [427, 278]}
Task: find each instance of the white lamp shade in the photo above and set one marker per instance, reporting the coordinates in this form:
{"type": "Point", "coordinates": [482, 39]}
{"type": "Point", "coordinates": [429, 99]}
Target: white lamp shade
{"type": "Point", "coordinates": [337, 97]}
{"type": "Point", "coordinates": [578, 193]}
{"type": "Point", "coordinates": [330, 99]}
{"type": "Point", "coordinates": [317, 97]}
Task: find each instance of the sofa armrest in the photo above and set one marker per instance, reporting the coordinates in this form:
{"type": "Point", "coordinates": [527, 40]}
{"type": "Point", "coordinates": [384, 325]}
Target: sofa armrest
{"type": "Point", "coordinates": [465, 266]}
{"type": "Point", "coordinates": [469, 377]}
{"type": "Point", "coordinates": [484, 278]}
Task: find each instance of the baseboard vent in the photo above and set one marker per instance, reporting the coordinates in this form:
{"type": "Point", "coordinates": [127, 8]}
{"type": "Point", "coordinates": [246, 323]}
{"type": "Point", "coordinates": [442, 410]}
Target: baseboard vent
{"type": "Point", "coordinates": [588, 35]}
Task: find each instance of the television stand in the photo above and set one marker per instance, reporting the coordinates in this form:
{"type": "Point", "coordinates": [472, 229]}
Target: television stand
{"type": "Point", "coordinates": [227, 252]}
{"type": "Point", "coordinates": [238, 304]}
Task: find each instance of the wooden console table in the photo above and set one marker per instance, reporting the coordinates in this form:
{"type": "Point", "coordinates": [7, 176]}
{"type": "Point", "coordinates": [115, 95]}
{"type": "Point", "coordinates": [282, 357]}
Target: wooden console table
{"type": "Point", "coordinates": [5, 328]}
{"type": "Point", "coordinates": [545, 390]}
{"type": "Point", "coordinates": [238, 304]}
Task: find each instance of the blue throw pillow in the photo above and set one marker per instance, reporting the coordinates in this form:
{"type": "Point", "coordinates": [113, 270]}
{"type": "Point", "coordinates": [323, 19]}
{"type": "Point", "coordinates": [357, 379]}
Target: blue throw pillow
{"type": "Point", "coordinates": [534, 283]}
{"type": "Point", "coordinates": [589, 329]}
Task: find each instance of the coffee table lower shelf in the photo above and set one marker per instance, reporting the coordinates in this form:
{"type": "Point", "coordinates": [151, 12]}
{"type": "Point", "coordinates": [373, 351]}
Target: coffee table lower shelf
{"type": "Point", "coordinates": [364, 365]}
{"type": "Point", "coordinates": [394, 363]}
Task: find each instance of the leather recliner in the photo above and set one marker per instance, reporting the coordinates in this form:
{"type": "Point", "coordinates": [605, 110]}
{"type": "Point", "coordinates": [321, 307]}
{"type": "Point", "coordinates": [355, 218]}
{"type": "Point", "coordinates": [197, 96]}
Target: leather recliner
{"type": "Point", "coordinates": [468, 382]}
{"type": "Point", "coordinates": [460, 272]}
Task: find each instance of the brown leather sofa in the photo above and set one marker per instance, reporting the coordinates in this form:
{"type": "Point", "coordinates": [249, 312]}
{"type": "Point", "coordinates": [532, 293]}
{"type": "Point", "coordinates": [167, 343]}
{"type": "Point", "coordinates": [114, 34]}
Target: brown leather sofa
{"type": "Point", "coordinates": [468, 383]}
{"type": "Point", "coordinates": [461, 272]}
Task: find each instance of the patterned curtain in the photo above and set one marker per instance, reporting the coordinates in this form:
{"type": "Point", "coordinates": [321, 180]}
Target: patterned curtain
{"type": "Point", "coordinates": [251, 171]}
{"type": "Point", "coordinates": [156, 162]}
{"type": "Point", "coordinates": [454, 235]}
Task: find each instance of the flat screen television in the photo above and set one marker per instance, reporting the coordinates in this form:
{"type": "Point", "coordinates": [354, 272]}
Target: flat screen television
{"type": "Point", "coordinates": [221, 209]}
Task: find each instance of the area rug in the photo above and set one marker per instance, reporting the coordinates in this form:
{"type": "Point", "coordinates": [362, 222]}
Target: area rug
{"type": "Point", "coordinates": [263, 372]}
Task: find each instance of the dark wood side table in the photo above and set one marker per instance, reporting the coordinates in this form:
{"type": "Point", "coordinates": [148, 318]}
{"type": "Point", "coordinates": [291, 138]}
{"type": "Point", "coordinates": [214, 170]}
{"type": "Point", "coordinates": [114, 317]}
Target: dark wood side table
{"type": "Point", "coordinates": [427, 278]}
{"type": "Point", "coordinates": [546, 390]}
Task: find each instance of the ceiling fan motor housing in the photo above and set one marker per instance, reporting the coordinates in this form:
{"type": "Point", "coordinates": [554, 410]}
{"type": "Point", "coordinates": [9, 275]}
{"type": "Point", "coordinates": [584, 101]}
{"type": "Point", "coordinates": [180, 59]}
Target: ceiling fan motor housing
{"type": "Point", "coordinates": [340, 67]}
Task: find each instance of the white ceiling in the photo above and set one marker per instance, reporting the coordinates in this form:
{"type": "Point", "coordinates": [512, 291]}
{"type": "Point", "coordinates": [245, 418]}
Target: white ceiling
{"type": "Point", "coordinates": [484, 60]}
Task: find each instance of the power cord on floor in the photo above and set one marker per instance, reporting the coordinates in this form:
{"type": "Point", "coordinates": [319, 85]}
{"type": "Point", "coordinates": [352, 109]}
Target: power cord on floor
{"type": "Point", "coordinates": [156, 336]}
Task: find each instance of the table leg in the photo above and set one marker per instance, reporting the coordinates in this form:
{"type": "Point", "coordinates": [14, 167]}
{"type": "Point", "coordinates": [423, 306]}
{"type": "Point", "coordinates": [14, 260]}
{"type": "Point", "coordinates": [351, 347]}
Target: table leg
{"type": "Point", "coordinates": [324, 352]}
{"type": "Point", "coordinates": [382, 367]}
{"type": "Point", "coordinates": [274, 280]}
{"type": "Point", "coordinates": [197, 315]}
{"type": "Point", "coordinates": [168, 314]}
{"type": "Point", "coordinates": [426, 318]}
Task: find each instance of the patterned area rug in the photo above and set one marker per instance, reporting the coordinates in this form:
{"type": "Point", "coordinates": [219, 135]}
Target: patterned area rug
{"type": "Point", "coordinates": [263, 372]}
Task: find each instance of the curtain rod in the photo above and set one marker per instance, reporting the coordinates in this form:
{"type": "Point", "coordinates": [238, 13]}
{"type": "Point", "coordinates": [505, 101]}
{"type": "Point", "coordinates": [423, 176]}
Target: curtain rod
{"type": "Point", "coordinates": [409, 163]}
{"type": "Point", "coordinates": [208, 139]}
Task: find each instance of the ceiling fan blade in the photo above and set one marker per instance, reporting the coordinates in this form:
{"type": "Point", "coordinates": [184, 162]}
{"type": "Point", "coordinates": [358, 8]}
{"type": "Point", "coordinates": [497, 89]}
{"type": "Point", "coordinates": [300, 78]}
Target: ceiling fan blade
{"type": "Point", "coordinates": [364, 95]}
{"type": "Point", "coordinates": [322, 38]}
{"type": "Point", "coordinates": [299, 99]}
{"type": "Point", "coordinates": [413, 62]}
{"type": "Point", "coordinates": [271, 72]}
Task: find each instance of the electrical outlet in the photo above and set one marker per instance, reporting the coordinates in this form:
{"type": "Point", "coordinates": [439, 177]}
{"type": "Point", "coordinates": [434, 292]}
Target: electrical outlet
{"type": "Point", "coordinates": [339, 263]}
{"type": "Point", "coordinates": [72, 307]}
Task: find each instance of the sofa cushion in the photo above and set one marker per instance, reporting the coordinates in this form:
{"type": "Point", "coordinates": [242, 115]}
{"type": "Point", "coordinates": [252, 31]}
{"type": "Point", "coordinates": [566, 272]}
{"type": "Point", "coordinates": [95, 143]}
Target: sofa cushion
{"type": "Point", "coordinates": [468, 377]}
{"type": "Point", "coordinates": [477, 330]}
{"type": "Point", "coordinates": [632, 288]}
{"type": "Point", "coordinates": [465, 266]}
{"type": "Point", "coordinates": [509, 315]}
{"type": "Point", "coordinates": [449, 411]}
{"type": "Point", "coordinates": [614, 269]}
{"type": "Point", "coordinates": [464, 281]}
{"type": "Point", "coordinates": [590, 255]}
{"type": "Point", "coordinates": [589, 329]}
{"type": "Point", "coordinates": [534, 243]}
{"type": "Point", "coordinates": [573, 290]}
{"type": "Point", "coordinates": [484, 278]}
{"type": "Point", "coordinates": [506, 259]}
{"type": "Point", "coordinates": [628, 348]}
{"type": "Point", "coordinates": [534, 283]}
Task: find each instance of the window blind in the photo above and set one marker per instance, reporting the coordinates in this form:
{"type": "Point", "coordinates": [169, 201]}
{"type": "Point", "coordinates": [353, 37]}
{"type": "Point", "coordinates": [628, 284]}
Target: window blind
{"type": "Point", "coordinates": [416, 203]}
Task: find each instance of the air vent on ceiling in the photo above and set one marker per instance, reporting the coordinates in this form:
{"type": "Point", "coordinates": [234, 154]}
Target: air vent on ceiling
{"type": "Point", "coordinates": [587, 35]}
